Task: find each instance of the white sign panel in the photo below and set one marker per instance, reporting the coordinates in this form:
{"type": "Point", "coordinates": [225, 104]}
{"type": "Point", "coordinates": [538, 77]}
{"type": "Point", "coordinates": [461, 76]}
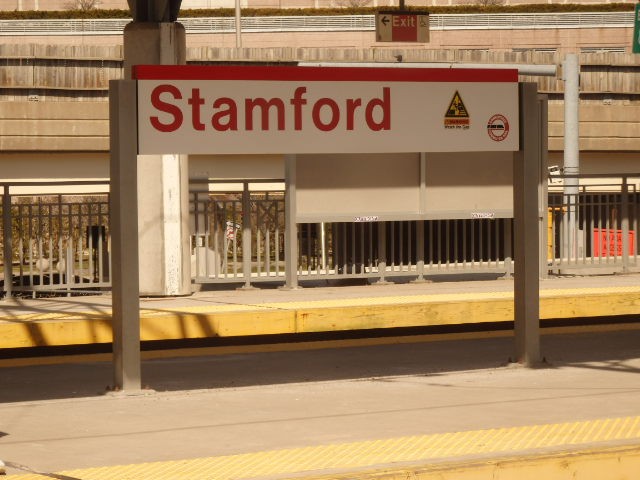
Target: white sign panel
{"type": "Point", "coordinates": [199, 110]}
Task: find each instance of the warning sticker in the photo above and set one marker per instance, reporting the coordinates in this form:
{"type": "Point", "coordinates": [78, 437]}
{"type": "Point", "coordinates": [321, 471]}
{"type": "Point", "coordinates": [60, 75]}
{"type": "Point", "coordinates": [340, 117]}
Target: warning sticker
{"type": "Point", "coordinates": [498, 127]}
{"type": "Point", "coordinates": [457, 115]}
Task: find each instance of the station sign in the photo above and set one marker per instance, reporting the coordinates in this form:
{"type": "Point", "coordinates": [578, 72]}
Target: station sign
{"type": "Point", "coordinates": [284, 109]}
{"type": "Point", "coordinates": [402, 26]}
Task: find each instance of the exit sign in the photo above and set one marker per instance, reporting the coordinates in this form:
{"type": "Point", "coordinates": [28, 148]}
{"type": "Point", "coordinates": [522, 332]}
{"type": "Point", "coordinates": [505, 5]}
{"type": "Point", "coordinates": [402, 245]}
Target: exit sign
{"type": "Point", "coordinates": [400, 26]}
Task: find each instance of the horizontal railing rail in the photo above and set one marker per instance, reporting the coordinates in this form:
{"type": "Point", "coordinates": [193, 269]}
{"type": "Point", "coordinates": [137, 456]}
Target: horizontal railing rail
{"type": "Point", "coordinates": [495, 21]}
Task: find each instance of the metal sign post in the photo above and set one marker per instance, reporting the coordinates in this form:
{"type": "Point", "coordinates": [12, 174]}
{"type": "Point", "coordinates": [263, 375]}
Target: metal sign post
{"type": "Point", "coordinates": [526, 173]}
{"type": "Point", "coordinates": [124, 235]}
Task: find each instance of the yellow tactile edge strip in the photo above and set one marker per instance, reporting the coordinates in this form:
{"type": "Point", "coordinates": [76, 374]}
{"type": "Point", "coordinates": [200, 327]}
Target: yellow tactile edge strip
{"type": "Point", "coordinates": [318, 316]}
{"type": "Point", "coordinates": [331, 303]}
{"type": "Point", "coordinates": [358, 455]}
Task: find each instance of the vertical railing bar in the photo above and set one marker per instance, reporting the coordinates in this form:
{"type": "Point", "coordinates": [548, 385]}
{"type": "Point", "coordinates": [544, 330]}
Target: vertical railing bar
{"type": "Point", "coordinates": [61, 256]}
{"type": "Point", "coordinates": [472, 242]}
{"type": "Point", "coordinates": [370, 248]}
{"type": "Point", "coordinates": [21, 259]}
{"type": "Point", "coordinates": [258, 225]}
{"type": "Point", "coordinates": [7, 238]}
{"type": "Point", "coordinates": [624, 224]}
{"type": "Point", "coordinates": [439, 242]}
{"type": "Point", "coordinates": [592, 231]}
{"type": "Point", "coordinates": [362, 227]}
{"type": "Point", "coordinates": [401, 249]}
{"type": "Point", "coordinates": [464, 242]}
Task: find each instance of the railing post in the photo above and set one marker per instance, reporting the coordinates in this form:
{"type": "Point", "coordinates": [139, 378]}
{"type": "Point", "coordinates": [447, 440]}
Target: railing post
{"type": "Point", "coordinates": [382, 252]}
{"type": "Point", "coordinates": [508, 253]}
{"type": "Point", "coordinates": [246, 236]}
{"type": "Point", "coordinates": [290, 225]}
{"type": "Point", "coordinates": [625, 224]}
{"type": "Point", "coordinates": [8, 242]}
{"type": "Point", "coordinates": [420, 222]}
{"type": "Point", "coordinates": [420, 251]}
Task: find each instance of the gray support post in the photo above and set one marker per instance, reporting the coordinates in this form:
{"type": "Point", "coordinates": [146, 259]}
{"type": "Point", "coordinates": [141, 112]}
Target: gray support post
{"type": "Point", "coordinates": [290, 225]}
{"type": "Point", "coordinates": [543, 194]}
{"type": "Point", "coordinates": [624, 221]}
{"type": "Point", "coordinates": [382, 253]}
{"type": "Point", "coordinates": [246, 236]}
{"type": "Point", "coordinates": [419, 252]}
{"type": "Point", "coordinates": [8, 242]}
{"type": "Point", "coordinates": [124, 234]}
{"type": "Point", "coordinates": [420, 222]}
{"type": "Point", "coordinates": [571, 76]}
{"type": "Point", "coordinates": [508, 254]}
{"type": "Point", "coordinates": [526, 173]}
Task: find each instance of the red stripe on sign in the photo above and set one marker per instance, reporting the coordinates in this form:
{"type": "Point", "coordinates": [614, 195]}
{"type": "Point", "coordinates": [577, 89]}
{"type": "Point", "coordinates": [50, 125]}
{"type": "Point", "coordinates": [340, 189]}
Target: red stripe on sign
{"type": "Point", "coordinates": [321, 74]}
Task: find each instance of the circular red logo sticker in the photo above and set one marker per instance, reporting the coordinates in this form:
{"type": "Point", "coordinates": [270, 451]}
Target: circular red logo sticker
{"type": "Point", "coordinates": [498, 127]}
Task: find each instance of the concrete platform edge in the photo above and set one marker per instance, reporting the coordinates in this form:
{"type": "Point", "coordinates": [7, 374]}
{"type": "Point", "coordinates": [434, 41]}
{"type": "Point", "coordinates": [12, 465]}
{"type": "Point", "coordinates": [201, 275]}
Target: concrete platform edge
{"type": "Point", "coordinates": [77, 328]}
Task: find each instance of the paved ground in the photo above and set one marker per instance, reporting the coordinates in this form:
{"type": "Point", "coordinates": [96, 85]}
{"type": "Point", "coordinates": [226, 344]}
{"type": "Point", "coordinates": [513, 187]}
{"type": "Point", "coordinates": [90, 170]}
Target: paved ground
{"type": "Point", "coordinates": [377, 404]}
{"type": "Point", "coordinates": [55, 417]}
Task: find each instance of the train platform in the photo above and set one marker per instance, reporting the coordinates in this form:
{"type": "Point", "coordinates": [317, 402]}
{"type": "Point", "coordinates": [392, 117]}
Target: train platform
{"type": "Point", "coordinates": [321, 308]}
{"type": "Point", "coordinates": [425, 407]}
{"type": "Point", "coordinates": [418, 408]}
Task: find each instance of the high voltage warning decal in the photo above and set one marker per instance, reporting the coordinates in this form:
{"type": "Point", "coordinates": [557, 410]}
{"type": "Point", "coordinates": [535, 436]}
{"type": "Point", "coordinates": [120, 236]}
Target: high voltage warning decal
{"type": "Point", "coordinates": [457, 115]}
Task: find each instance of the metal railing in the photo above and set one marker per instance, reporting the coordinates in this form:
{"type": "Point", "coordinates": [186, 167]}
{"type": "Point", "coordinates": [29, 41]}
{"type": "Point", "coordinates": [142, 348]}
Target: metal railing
{"type": "Point", "coordinates": [55, 241]}
{"type": "Point", "coordinates": [59, 241]}
{"type": "Point", "coordinates": [493, 21]}
{"type": "Point", "coordinates": [404, 248]}
{"type": "Point", "coordinates": [237, 236]}
{"type": "Point", "coordinates": [223, 232]}
{"type": "Point", "coordinates": [593, 229]}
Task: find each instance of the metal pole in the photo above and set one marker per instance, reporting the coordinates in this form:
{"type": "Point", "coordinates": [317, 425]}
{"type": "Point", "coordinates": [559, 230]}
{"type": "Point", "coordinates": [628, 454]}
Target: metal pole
{"type": "Point", "coordinates": [532, 70]}
{"type": "Point", "coordinates": [124, 234]}
{"type": "Point", "coordinates": [290, 225]}
{"type": "Point", "coordinates": [571, 76]}
{"type": "Point", "coordinates": [323, 245]}
{"type": "Point", "coordinates": [624, 213]}
{"type": "Point", "coordinates": [420, 222]}
{"type": "Point", "coordinates": [8, 242]}
{"type": "Point", "coordinates": [238, 18]}
{"type": "Point", "coordinates": [543, 194]}
{"type": "Point", "coordinates": [382, 252]}
{"type": "Point", "coordinates": [247, 254]}
{"type": "Point", "coordinates": [526, 183]}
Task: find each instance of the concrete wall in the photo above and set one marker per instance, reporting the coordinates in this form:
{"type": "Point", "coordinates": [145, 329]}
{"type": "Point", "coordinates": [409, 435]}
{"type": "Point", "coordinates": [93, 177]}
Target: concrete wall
{"type": "Point", "coordinates": [54, 105]}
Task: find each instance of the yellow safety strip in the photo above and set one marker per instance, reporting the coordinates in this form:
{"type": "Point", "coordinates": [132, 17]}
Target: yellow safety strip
{"type": "Point", "coordinates": [357, 455]}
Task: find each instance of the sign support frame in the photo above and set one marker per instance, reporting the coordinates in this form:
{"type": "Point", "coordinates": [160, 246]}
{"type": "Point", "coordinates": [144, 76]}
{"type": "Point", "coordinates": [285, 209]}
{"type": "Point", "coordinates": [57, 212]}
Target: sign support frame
{"type": "Point", "coordinates": [124, 140]}
{"type": "Point", "coordinates": [527, 219]}
{"type": "Point", "coordinates": [123, 124]}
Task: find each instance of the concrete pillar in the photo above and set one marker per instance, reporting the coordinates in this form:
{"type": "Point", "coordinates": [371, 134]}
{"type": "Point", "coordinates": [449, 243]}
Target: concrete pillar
{"type": "Point", "coordinates": [163, 180]}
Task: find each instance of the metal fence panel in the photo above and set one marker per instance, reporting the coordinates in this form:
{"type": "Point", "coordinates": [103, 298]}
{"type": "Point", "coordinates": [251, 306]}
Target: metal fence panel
{"type": "Point", "coordinates": [59, 242]}
{"type": "Point", "coordinates": [55, 242]}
